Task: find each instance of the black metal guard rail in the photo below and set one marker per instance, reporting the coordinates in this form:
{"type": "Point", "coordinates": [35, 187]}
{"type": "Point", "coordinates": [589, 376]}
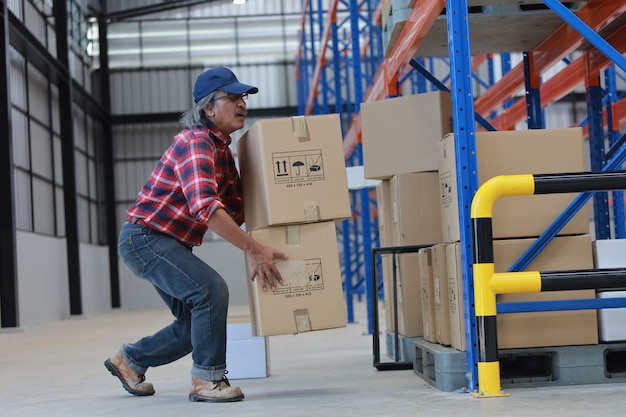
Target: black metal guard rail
{"type": "Point", "coordinates": [397, 364]}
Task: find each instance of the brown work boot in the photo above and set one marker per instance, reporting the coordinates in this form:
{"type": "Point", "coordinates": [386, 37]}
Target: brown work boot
{"type": "Point", "coordinates": [214, 391]}
{"type": "Point", "coordinates": [131, 381]}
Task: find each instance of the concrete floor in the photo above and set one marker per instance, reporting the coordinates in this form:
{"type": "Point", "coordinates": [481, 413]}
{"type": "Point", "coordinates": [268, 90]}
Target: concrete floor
{"type": "Point", "coordinates": [56, 370]}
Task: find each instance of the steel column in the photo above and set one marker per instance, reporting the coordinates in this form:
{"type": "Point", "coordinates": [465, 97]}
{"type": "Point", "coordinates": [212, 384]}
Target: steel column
{"type": "Point", "coordinates": [9, 312]}
{"type": "Point", "coordinates": [67, 152]}
{"type": "Point", "coordinates": [613, 132]}
{"type": "Point", "coordinates": [109, 172]}
{"type": "Point", "coordinates": [532, 81]}
{"type": "Point", "coordinates": [465, 148]}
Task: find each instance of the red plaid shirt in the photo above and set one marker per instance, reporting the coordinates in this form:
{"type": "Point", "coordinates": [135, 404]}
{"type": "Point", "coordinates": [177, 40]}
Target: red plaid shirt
{"type": "Point", "coordinates": [195, 176]}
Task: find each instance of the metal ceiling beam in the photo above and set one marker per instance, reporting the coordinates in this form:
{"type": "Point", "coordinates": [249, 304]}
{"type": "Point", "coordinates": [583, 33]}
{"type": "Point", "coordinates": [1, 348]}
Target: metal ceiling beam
{"type": "Point", "coordinates": [154, 8]}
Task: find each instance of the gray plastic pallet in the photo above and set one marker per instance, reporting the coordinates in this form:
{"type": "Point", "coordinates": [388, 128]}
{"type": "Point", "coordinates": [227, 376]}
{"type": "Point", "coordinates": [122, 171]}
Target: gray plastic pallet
{"type": "Point", "coordinates": [441, 366]}
{"type": "Point", "coordinates": [405, 344]}
{"type": "Point", "coordinates": [445, 368]}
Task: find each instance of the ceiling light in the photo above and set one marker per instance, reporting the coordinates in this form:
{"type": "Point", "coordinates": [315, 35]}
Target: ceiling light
{"type": "Point", "coordinates": [239, 1]}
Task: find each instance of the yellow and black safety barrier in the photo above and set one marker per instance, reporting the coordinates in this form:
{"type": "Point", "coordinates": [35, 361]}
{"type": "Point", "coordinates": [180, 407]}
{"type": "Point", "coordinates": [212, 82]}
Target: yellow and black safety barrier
{"type": "Point", "coordinates": [487, 283]}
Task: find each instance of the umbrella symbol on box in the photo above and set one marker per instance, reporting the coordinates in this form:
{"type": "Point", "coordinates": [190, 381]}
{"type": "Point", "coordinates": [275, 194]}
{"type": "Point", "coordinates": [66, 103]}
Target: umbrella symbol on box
{"type": "Point", "coordinates": [298, 164]}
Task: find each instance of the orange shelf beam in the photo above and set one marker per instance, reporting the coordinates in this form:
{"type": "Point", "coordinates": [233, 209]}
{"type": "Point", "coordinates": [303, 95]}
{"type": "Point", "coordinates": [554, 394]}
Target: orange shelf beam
{"type": "Point", "coordinates": [619, 114]}
{"type": "Point", "coordinates": [597, 14]}
{"type": "Point", "coordinates": [562, 83]}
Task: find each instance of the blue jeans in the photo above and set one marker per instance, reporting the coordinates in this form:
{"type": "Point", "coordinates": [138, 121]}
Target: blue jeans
{"type": "Point", "coordinates": [195, 293]}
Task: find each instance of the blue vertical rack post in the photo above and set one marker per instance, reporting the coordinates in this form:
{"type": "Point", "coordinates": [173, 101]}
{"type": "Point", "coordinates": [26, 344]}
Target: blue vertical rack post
{"type": "Point", "coordinates": [465, 148]}
{"type": "Point", "coordinates": [613, 135]}
{"type": "Point", "coordinates": [596, 150]}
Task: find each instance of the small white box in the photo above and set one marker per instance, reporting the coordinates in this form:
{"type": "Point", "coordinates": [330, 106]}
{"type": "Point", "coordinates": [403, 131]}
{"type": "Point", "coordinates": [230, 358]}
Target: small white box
{"type": "Point", "coordinates": [247, 356]}
{"type": "Point", "coordinates": [609, 253]}
{"type": "Point", "coordinates": [611, 320]}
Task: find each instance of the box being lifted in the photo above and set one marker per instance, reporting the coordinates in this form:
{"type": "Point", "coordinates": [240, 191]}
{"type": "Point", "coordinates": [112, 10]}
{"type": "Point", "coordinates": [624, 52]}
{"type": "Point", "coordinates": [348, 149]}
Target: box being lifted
{"type": "Point", "coordinates": [312, 295]}
{"type": "Point", "coordinates": [293, 171]}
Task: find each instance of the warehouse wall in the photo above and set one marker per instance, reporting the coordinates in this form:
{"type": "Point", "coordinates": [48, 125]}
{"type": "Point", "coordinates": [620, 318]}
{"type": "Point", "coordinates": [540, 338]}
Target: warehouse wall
{"type": "Point", "coordinates": [42, 279]}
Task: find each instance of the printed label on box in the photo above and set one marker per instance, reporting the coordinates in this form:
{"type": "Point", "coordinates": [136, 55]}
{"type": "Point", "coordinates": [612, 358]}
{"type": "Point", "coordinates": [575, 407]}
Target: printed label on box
{"type": "Point", "coordinates": [300, 276]}
{"type": "Point", "coordinates": [298, 166]}
{"type": "Point", "coordinates": [446, 189]}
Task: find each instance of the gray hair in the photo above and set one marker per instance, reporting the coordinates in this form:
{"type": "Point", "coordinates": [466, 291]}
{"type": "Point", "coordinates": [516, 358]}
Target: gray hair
{"type": "Point", "coordinates": [196, 116]}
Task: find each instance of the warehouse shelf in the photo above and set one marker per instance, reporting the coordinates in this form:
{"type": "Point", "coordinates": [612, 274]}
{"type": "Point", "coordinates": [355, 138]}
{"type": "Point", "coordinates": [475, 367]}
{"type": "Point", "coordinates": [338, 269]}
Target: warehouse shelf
{"type": "Point", "coordinates": [500, 104]}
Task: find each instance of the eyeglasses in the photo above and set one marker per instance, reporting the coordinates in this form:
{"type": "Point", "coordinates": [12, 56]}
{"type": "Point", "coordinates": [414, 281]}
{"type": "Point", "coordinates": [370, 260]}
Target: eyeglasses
{"type": "Point", "coordinates": [233, 97]}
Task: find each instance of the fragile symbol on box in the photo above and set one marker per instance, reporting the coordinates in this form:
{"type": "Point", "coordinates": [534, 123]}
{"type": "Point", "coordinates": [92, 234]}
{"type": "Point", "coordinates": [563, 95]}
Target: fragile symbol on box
{"type": "Point", "coordinates": [298, 166]}
{"type": "Point", "coordinates": [300, 276]}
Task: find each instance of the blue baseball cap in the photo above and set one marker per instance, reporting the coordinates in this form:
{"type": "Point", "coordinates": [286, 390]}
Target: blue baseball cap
{"type": "Point", "coordinates": [219, 78]}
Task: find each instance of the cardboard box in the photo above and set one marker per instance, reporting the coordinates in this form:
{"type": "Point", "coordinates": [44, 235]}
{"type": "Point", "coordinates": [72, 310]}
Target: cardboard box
{"type": "Point", "coordinates": [293, 171]}
{"type": "Point", "coordinates": [247, 356]}
{"type": "Point", "coordinates": [427, 293]}
{"type": "Point", "coordinates": [383, 203]}
{"type": "Point", "coordinates": [410, 321]}
{"type": "Point", "coordinates": [441, 300]}
{"type": "Point", "coordinates": [555, 328]}
{"type": "Point", "coordinates": [543, 329]}
{"type": "Point", "coordinates": [454, 269]}
{"type": "Point", "coordinates": [312, 295]}
{"type": "Point", "coordinates": [517, 152]}
{"type": "Point", "coordinates": [415, 209]}
{"type": "Point", "coordinates": [400, 135]}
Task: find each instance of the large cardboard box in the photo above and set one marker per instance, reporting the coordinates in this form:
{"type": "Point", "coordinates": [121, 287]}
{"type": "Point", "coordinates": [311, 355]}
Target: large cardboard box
{"type": "Point", "coordinates": [441, 296]}
{"type": "Point", "coordinates": [556, 328]}
{"type": "Point", "coordinates": [415, 209]}
{"type": "Point", "coordinates": [545, 328]}
{"type": "Point", "coordinates": [293, 171]}
{"type": "Point", "coordinates": [312, 295]}
{"type": "Point", "coordinates": [517, 152]}
{"type": "Point", "coordinates": [247, 356]}
{"type": "Point", "coordinates": [458, 339]}
{"type": "Point", "coordinates": [427, 292]}
{"type": "Point", "coordinates": [400, 135]}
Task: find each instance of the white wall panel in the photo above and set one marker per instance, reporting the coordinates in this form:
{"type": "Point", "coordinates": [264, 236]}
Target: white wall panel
{"type": "Point", "coordinates": [95, 283]}
{"type": "Point", "coordinates": [42, 286]}
{"type": "Point", "coordinates": [169, 90]}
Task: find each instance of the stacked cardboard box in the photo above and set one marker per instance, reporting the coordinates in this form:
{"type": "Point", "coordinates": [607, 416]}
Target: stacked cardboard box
{"type": "Point", "coordinates": [400, 135]}
{"type": "Point", "coordinates": [294, 189]}
{"type": "Point", "coordinates": [517, 221]}
{"type": "Point", "coordinates": [400, 138]}
{"type": "Point", "coordinates": [543, 151]}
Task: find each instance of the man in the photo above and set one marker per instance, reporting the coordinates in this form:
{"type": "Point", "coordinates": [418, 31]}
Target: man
{"type": "Point", "coordinates": [194, 187]}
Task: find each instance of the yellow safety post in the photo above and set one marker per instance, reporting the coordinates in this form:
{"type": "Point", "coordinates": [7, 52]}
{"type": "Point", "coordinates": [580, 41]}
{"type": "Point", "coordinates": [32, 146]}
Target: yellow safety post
{"type": "Point", "coordinates": [483, 269]}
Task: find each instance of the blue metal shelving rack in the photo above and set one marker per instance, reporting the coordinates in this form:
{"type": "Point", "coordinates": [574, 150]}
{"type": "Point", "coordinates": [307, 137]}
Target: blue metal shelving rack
{"type": "Point", "coordinates": [367, 76]}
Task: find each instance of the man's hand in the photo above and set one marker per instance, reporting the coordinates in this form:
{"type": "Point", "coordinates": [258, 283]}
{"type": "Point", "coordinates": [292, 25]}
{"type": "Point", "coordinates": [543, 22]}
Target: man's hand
{"type": "Point", "coordinates": [263, 266]}
{"type": "Point", "coordinates": [261, 257]}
